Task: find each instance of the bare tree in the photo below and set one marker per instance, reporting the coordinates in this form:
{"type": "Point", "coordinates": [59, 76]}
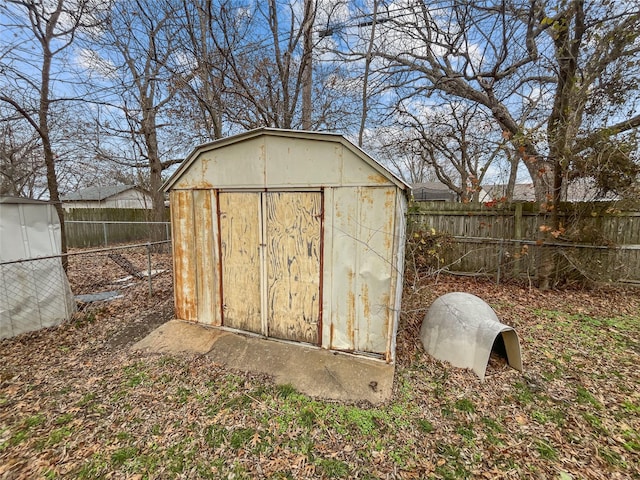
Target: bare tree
{"type": "Point", "coordinates": [136, 43]}
{"type": "Point", "coordinates": [395, 147]}
{"type": "Point", "coordinates": [266, 73]}
{"type": "Point", "coordinates": [21, 166]}
{"type": "Point", "coordinates": [501, 54]}
{"type": "Point", "coordinates": [206, 31]}
{"type": "Point", "coordinates": [30, 73]}
{"type": "Point", "coordinates": [456, 142]}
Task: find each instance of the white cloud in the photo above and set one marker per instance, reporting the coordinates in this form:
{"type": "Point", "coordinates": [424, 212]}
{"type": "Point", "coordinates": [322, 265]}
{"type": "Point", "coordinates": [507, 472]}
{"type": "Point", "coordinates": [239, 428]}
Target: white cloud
{"type": "Point", "coordinates": [92, 61]}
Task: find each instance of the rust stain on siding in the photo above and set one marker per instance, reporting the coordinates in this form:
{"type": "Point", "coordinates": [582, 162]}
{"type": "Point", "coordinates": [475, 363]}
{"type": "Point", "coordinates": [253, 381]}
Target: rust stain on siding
{"type": "Point", "coordinates": [366, 197]}
{"type": "Point", "coordinates": [366, 306]}
{"type": "Point", "coordinates": [351, 317]}
{"type": "Point", "coordinates": [390, 200]}
{"type": "Point", "coordinates": [204, 183]}
{"type": "Point", "coordinates": [351, 309]}
{"type": "Point", "coordinates": [389, 207]}
{"type": "Point", "coordinates": [331, 335]}
{"type": "Point", "coordinates": [206, 264]}
{"type": "Point", "coordinates": [183, 248]}
{"type": "Point", "coordinates": [377, 179]}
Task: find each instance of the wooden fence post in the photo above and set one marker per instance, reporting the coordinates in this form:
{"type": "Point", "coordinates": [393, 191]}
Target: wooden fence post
{"type": "Point", "coordinates": [517, 235]}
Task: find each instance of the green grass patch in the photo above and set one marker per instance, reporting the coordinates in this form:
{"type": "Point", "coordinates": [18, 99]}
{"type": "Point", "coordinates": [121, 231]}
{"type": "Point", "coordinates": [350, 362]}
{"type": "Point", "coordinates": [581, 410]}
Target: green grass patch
{"type": "Point", "coordinates": [286, 391]}
{"type": "Point", "coordinates": [94, 468]}
{"type": "Point", "coordinates": [595, 423]}
{"type": "Point", "coordinates": [120, 456]}
{"type": "Point", "coordinates": [363, 420]}
{"type": "Point", "coordinates": [179, 457]}
{"type": "Point", "coordinates": [34, 420]}
{"type": "Point", "coordinates": [523, 393]}
{"type": "Point", "coordinates": [492, 424]}
{"type": "Point", "coordinates": [307, 417]}
{"type": "Point", "coordinates": [631, 407]}
{"type": "Point", "coordinates": [240, 437]}
{"type": "Point", "coordinates": [424, 425]}
{"type": "Point", "coordinates": [585, 397]}
{"type": "Point", "coordinates": [135, 374]}
{"type": "Point", "coordinates": [332, 468]}
{"type": "Point", "coordinates": [453, 467]}
{"type": "Point", "coordinates": [215, 435]}
{"type": "Point", "coordinates": [465, 405]}
{"type": "Point", "coordinates": [546, 450]}
{"type": "Point", "coordinates": [466, 432]}
{"type": "Point", "coordinates": [59, 435]}
{"type": "Point", "coordinates": [612, 457]}
{"type": "Point", "coordinates": [19, 437]}
{"type": "Point", "coordinates": [182, 395]}
{"type": "Point", "coordinates": [64, 419]}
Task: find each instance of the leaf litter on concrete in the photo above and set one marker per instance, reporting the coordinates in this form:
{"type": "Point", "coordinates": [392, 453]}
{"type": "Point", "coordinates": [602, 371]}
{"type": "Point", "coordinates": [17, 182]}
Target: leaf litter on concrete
{"type": "Point", "coordinates": [75, 402]}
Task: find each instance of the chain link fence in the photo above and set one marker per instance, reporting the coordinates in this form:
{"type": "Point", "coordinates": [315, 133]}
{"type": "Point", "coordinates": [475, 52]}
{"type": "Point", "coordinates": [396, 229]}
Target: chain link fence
{"type": "Point", "coordinates": [141, 270]}
{"type": "Point", "coordinates": [36, 293]}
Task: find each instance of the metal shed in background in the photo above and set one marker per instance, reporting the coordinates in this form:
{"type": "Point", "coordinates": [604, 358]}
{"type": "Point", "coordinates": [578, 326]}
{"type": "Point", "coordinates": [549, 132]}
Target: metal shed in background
{"type": "Point", "coordinates": [35, 293]}
{"type": "Point", "coordinates": [291, 235]}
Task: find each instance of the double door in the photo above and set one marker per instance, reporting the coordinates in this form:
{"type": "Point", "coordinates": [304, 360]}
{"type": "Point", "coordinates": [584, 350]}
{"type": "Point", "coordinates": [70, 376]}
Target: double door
{"type": "Point", "coordinates": [270, 259]}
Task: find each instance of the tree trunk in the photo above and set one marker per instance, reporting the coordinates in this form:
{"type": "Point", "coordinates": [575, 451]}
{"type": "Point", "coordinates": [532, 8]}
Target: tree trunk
{"type": "Point", "coordinates": [307, 67]}
{"type": "Point", "coordinates": [561, 129]}
{"type": "Point", "coordinates": [155, 172]}
{"type": "Point", "coordinates": [49, 156]}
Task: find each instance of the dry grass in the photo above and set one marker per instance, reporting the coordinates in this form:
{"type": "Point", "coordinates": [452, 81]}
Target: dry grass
{"type": "Point", "coordinates": [76, 403]}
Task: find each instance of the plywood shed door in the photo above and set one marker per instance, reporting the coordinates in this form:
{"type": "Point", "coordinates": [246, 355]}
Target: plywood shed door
{"type": "Point", "coordinates": [293, 225]}
{"type": "Point", "coordinates": [271, 256]}
{"type": "Point", "coordinates": [240, 258]}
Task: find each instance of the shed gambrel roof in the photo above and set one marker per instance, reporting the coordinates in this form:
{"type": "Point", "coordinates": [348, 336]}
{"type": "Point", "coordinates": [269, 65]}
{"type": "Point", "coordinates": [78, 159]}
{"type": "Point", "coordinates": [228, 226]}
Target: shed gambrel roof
{"type": "Point", "coordinates": [97, 193]}
{"type": "Point", "coordinates": [334, 138]}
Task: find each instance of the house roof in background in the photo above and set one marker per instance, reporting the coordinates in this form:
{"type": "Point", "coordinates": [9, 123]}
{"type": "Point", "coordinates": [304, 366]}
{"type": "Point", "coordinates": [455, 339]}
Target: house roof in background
{"type": "Point", "coordinates": [426, 191]}
{"type": "Point", "coordinates": [97, 193]}
{"type": "Point", "coordinates": [581, 190]}
{"type": "Point", "coordinates": [522, 192]}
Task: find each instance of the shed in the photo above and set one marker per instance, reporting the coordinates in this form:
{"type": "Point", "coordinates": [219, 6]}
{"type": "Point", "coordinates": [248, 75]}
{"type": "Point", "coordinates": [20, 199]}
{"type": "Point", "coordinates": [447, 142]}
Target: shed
{"type": "Point", "coordinates": [291, 235]}
{"type": "Point", "coordinates": [111, 196]}
{"type": "Point", "coordinates": [34, 291]}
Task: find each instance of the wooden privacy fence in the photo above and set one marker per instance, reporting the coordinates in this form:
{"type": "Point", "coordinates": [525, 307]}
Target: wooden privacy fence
{"type": "Point", "coordinates": [92, 227]}
{"type": "Point", "coordinates": [598, 241]}
{"type": "Point", "coordinates": [87, 233]}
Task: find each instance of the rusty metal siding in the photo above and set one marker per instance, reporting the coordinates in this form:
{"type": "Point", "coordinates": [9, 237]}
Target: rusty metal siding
{"type": "Point", "coordinates": [291, 236]}
{"type": "Point", "coordinates": [376, 266]}
{"type": "Point", "coordinates": [302, 163]}
{"type": "Point", "coordinates": [361, 227]}
{"type": "Point", "coordinates": [205, 233]}
{"type": "Point", "coordinates": [184, 265]}
{"type": "Point", "coordinates": [292, 241]}
{"type": "Point", "coordinates": [279, 163]}
{"type": "Point", "coordinates": [240, 241]}
{"type": "Point", "coordinates": [340, 271]}
{"type": "Point", "coordinates": [399, 239]}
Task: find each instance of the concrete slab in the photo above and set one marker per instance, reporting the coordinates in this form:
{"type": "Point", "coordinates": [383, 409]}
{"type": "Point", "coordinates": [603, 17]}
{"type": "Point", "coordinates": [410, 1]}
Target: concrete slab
{"type": "Point", "coordinates": [312, 371]}
{"type": "Point", "coordinates": [177, 336]}
{"type": "Point", "coordinates": [315, 372]}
